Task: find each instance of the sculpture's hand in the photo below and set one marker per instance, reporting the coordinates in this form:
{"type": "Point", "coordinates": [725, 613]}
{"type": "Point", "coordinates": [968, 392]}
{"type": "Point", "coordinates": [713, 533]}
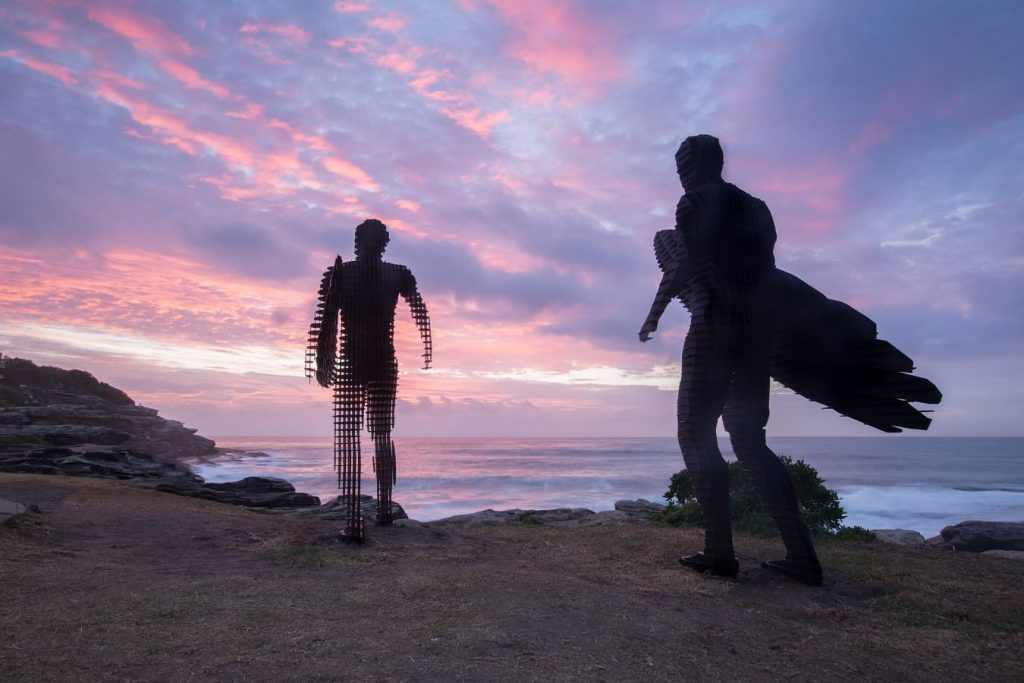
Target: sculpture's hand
{"type": "Point", "coordinates": [323, 379]}
{"type": "Point", "coordinates": [649, 327]}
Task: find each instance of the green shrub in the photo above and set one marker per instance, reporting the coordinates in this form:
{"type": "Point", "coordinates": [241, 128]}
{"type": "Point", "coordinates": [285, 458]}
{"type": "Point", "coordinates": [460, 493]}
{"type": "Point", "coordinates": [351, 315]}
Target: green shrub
{"type": "Point", "coordinates": [856, 533]}
{"type": "Point", "coordinates": [819, 505]}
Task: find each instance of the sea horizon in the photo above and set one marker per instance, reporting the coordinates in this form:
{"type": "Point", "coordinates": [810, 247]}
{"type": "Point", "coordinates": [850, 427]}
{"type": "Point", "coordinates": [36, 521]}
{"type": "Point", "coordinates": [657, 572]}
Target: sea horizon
{"type": "Point", "coordinates": [922, 482]}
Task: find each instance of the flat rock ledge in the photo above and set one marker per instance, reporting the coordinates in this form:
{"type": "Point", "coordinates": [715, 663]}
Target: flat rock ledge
{"type": "Point", "coordinates": [626, 512]}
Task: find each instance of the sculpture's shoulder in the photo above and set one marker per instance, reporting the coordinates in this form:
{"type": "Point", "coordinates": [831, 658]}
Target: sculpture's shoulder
{"type": "Point", "coordinates": [735, 192]}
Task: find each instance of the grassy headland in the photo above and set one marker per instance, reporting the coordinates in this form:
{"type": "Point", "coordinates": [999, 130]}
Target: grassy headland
{"type": "Point", "coordinates": [113, 582]}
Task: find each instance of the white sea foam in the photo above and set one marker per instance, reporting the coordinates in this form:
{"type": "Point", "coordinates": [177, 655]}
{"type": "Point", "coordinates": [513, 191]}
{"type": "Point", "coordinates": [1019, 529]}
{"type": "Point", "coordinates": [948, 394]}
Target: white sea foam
{"type": "Point", "coordinates": [927, 508]}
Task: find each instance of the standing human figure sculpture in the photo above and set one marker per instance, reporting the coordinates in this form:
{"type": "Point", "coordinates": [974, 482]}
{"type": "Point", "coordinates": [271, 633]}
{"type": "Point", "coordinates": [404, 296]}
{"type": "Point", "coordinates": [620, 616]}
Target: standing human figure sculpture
{"type": "Point", "coordinates": [351, 349]}
{"type": "Point", "coordinates": [728, 237]}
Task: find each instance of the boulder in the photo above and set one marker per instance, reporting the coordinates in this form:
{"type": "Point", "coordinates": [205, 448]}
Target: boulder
{"type": "Point", "coordinates": [976, 537]}
{"type": "Point", "coordinates": [907, 537]}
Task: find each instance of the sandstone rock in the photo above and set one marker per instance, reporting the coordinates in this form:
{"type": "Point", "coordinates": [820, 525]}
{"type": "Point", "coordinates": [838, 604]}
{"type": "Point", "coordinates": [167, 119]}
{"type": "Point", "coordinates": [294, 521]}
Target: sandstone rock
{"type": "Point", "coordinates": [10, 510]}
{"type": "Point", "coordinates": [907, 537]}
{"type": "Point", "coordinates": [61, 418]}
{"type": "Point", "coordinates": [978, 537]}
{"type": "Point", "coordinates": [556, 516]}
{"type": "Point", "coordinates": [107, 462]}
{"type": "Point", "coordinates": [1008, 554]}
{"type": "Point", "coordinates": [256, 492]}
{"type": "Point", "coordinates": [61, 434]}
{"type": "Point", "coordinates": [639, 507]}
{"type": "Point", "coordinates": [612, 518]}
{"type": "Point", "coordinates": [336, 509]}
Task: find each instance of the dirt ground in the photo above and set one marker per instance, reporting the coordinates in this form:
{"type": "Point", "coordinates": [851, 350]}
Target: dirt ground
{"type": "Point", "coordinates": [115, 583]}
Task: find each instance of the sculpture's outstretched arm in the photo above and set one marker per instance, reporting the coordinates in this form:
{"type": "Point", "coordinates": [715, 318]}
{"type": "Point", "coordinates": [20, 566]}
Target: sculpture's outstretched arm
{"type": "Point", "coordinates": [419, 314]}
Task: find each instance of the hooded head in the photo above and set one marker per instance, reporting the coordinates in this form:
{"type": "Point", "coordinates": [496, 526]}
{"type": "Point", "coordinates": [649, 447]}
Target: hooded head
{"type": "Point", "coordinates": [699, 161]}
{"type": "Point", "coordinates": [371, 239]}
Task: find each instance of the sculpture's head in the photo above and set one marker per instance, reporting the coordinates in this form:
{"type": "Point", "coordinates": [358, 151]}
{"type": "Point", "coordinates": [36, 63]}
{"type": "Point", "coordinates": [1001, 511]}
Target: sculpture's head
{"type": "Point", "coordinates": [371, 239]}
{"type": "Point", "coordinates": [699, 161]}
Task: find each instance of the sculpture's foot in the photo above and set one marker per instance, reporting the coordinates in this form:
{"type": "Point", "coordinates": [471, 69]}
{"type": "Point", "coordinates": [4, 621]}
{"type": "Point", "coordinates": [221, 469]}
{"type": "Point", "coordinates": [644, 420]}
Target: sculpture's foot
{"type": "Point", "coordinates": [719, 566]}
{"type": "Point", "coordinates": [807, 571]}
{"type": "Point", "coordinates": [353, 536]}
{"type": "Point", "coordinates": [385, 520]}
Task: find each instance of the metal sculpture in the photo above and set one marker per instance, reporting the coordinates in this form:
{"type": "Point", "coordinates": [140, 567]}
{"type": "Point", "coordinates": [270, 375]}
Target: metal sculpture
{"type": "Point", "coordinates": [351, 350]}
{"type": "Point", "coordinates": [749, 322]}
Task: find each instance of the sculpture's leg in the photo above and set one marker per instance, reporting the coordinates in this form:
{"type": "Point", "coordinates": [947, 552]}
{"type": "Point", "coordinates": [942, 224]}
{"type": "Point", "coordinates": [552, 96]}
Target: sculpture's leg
{"type": "Point", "coordinates": [745, 416]}
{"type": "Point", "coordinates": [702, 391]}
{"type": "Point", "coordinates": [381, 421]}
{"type": "Point", "coordinates": [348, 422]}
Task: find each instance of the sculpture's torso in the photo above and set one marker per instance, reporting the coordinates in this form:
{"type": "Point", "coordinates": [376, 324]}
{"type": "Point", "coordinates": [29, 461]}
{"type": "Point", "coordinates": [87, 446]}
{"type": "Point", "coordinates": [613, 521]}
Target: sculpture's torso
{"type": "Point", "coordinates": [368, 293]}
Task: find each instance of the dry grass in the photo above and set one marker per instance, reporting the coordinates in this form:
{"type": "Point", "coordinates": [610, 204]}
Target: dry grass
{"type": "Point", "coordinates": [110, 582]}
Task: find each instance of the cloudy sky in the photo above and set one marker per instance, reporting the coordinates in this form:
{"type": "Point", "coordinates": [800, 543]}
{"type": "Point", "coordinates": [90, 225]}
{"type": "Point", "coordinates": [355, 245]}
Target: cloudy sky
{"type": "Point", "coordinates": [176, 175]}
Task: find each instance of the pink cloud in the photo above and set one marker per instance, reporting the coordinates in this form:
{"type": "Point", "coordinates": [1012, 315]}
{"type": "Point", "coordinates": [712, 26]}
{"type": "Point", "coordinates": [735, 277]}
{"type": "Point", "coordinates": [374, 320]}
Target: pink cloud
{"type": "Point", "coordinates": [116, 79]}
{"type": "Point", "coordinates": [250, 111]}
{"type": "Point", "coordinates": [476, 120]}
{"type": "Point", "coordinates": [191, 78]}
{"type": "Point", "coordinates": [349, 171]}
{"type": "Point", "coordinates": [409, 205]}
{"type": "Point", "coordinates": [43, 38]}
{"type": "Point", "coordinates": [351, 7]}
{"type": "Point", "coordinates": [147, 34]}
{"type": "Point", "coordinates": [61, 73]}
{"type": "Point", "coordinates": [391, 23]}
{"type": "Point", "coordinates": [399, 63]}
{"type": "Point", "coordinates": [290, 31]}
{"type": "Point", "coordinates": [553, 37]}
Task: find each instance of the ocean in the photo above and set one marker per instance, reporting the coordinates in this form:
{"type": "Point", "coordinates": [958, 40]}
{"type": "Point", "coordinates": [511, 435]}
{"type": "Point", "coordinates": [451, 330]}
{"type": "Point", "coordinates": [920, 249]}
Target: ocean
{"type": "Point", "coordinates": [921, 483]}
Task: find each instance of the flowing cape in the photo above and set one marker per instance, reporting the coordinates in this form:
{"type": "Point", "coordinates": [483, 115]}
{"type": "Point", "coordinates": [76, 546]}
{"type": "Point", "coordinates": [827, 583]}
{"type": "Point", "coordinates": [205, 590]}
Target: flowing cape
{"type": "Point", "coordinates": [829, 352]}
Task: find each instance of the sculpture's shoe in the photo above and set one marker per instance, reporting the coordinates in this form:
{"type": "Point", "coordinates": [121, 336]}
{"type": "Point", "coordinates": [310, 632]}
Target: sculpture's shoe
{"type": "Point", "coordinates": [808, 572]}
{"type": "Point", "coordinates": [719, 566]}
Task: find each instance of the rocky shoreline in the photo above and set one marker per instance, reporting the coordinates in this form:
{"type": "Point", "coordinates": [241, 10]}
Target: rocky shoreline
{"type": "Point", "coordinates": [96, 430]}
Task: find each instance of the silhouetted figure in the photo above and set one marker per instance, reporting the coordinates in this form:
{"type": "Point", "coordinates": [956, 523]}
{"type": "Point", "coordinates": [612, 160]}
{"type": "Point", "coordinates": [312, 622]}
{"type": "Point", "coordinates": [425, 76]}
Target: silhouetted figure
{"type": "Point", "coordinates": [750, 321]}
{"type": "Point", "coordinates": [351, 348]}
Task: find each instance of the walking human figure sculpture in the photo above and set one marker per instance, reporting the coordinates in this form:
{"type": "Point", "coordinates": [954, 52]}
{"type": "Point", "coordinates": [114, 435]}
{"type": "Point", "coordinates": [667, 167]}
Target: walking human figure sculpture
{"type": "Point", "coordinates": [351, 350]}
{"type": "Point", "coordinates": [750, 322]}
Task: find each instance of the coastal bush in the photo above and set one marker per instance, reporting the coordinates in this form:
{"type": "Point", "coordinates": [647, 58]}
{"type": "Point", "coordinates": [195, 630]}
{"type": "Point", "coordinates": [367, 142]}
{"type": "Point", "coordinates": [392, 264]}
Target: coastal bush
{"type": "Point", "coordinates": [856, 533]}
{"type": "Point", "coordinates": [819, 504]}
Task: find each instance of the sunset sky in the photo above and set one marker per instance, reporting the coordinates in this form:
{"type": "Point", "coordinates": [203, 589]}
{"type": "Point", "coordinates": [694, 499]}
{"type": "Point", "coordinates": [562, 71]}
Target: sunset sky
{"type": "Point", "coordinates": [175, 176]}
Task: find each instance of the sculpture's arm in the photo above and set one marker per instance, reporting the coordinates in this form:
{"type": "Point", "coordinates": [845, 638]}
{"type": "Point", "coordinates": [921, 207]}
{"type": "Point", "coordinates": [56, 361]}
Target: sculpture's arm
{"type": "Point", "coordinates": [672, 283]}
{"type": "Point", "coordinates": [677, 273]}
{"type": "Point", "coordinates": [412, 296]}
{"type": "Point", "coordinates": [327, 338]}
